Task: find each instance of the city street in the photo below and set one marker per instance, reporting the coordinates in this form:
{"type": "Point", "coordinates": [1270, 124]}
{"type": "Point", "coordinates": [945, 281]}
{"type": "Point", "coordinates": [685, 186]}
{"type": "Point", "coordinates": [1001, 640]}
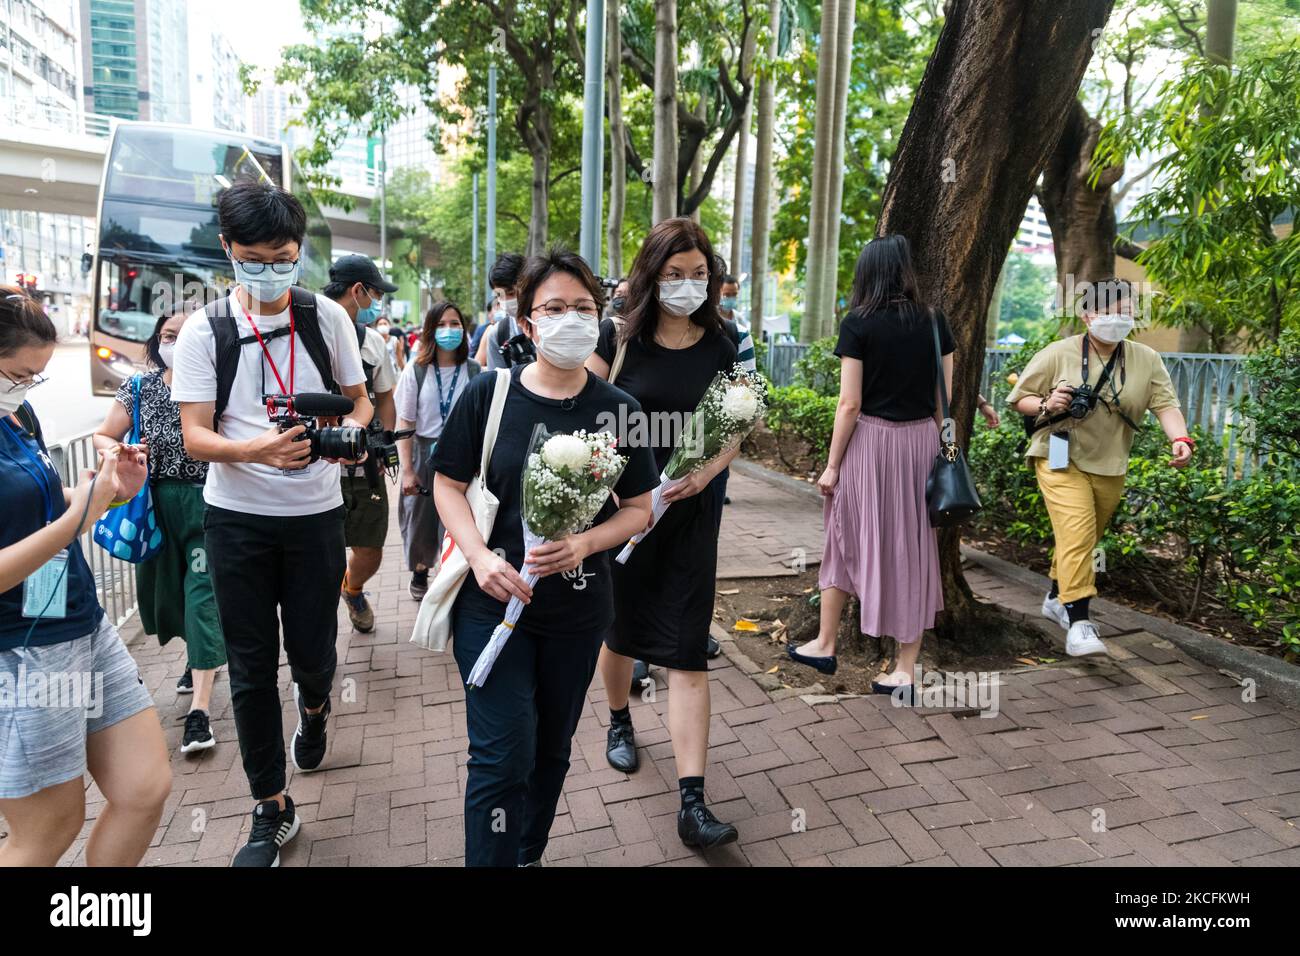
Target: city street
{"type": "Point", "coordinates": [64, 403]}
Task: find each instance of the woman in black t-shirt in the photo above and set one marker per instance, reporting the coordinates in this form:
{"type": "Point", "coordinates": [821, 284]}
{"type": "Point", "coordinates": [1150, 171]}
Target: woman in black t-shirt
{"type": "Point", "coordinates": [670, 346]}
{"type": "Point", "coordinates": [879, 543]}
{"type": "Point", "coordinates": [521, 721]}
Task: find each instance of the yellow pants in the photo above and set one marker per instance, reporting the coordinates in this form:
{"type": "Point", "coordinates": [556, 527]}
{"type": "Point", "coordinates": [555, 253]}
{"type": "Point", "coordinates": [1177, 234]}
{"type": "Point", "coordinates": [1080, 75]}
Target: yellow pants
{"type": "Point", "coordinates": [1080, 505]}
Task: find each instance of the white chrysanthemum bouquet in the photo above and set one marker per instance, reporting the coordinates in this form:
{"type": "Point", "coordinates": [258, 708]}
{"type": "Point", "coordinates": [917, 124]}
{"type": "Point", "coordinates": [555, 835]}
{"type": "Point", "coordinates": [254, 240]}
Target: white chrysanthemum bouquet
{"type": "Point", "coordinates": [732, 405]}
{"type": "Point", "coordinates": [567, 479]}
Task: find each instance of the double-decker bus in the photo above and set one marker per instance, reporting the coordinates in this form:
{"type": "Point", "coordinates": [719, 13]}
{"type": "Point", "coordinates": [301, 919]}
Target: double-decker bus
{"type": "Point", "coordinates": [157, 247]}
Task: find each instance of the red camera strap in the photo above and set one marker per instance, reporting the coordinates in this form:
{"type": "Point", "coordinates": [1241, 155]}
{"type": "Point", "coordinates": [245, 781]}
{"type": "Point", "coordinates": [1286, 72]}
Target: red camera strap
{"type": "Point", "coordinates": [267, 352]}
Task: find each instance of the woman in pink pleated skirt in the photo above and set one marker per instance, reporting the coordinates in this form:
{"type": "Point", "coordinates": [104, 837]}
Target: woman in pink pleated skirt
{"type": "Point", "coordinates": [879, 543]}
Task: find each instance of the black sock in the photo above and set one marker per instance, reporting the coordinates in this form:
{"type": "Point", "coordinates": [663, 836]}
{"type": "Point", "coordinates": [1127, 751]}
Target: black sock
{"type": "Point", "coordinates": [1056, 589]}
{"type": "Point", "coordinates": [623, 716]}
{"type": "Point", "coordinates": [692, 790]}
{"type": "Point", "coordinates": [1078, 610]}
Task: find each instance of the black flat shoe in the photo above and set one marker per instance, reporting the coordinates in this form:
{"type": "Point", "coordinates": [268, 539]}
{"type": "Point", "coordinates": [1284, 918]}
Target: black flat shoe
{"type": "Point", "coordinates": [620, 748]}
{"type": "Point", "coordinates": [640, 674]}
{"type": "Point", "coordinates": [826, 665]}
{"type": "Point", "coordinates": [902, 693]}
{"type": "Point", "coordinates": [699, 828]}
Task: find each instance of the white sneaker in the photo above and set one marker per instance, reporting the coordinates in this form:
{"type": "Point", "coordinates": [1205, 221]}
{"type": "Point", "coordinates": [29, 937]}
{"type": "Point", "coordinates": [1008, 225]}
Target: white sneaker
{"type": "Point", "coordinates": [1083, 640]}
{"type": "Point", "coordinates": [1054, 610]}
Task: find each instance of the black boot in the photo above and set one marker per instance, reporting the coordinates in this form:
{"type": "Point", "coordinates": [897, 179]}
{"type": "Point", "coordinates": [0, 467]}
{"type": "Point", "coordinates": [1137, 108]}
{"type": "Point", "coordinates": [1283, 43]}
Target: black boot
{"type": "Point", "coordinates": [620, 743]}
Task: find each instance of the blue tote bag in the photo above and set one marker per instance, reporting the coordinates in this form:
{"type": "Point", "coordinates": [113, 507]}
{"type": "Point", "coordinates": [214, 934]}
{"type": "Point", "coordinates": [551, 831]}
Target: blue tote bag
{"type": "Point", "coordinates": [130, 532]}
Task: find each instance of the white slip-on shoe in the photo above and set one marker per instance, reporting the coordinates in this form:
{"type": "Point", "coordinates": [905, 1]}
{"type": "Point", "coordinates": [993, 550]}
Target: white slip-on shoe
{"type": "Point", "coordinates": [1082, 640]}
{"type": "Point", "coordinates": [1054, 610]}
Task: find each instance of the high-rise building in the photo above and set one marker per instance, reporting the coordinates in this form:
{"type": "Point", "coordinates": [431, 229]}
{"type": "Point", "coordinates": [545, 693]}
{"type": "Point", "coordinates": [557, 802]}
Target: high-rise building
{"type": "Point", "coordinates": [135, 59]}
{"type": "Point", "coordinates": [39, 65]}
{"type": "Point", "coordinates": [216, 93]}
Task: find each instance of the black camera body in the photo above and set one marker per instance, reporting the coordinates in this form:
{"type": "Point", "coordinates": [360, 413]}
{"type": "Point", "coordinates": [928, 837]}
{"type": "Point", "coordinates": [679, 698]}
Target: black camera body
{"type": "Point", "coordinates": [518, 350]}
{"type": "Point", "coordinates": [1082, 401]}
{"type": "Point", "coordinates": [346, 441]}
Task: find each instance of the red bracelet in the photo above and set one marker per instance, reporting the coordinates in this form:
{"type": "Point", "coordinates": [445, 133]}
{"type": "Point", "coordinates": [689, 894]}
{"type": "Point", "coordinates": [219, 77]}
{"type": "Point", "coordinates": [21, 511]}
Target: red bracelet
{"type": "Point", "coordinates": [1184, 438]}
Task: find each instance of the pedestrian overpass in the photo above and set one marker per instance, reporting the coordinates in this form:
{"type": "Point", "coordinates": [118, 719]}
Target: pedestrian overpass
{"type": "Point", "coordinates": [55, 164]}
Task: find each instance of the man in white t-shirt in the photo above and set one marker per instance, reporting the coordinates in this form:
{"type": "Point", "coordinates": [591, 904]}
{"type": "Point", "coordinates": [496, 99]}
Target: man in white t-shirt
{"type": "Point", "coordinates": [358, 287]}
{"type": "Point", "coordinates": [273, 524]}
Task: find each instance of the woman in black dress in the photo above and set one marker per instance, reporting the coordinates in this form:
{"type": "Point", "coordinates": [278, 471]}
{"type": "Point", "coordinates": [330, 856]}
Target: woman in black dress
{"type": "Point", "coordinates": [665, 354]}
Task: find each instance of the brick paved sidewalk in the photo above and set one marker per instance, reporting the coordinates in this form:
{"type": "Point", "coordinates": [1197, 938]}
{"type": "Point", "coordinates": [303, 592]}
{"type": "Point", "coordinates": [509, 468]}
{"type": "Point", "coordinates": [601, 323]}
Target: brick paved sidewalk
{"type": "Point", "coordinates": [1152, 758]}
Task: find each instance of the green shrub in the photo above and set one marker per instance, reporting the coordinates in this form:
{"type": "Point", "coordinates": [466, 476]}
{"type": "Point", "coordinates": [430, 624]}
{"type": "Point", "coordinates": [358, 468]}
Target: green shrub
{"type": "Point", "coordinates": [803, 414]}
{"type": "Point", "coordinates": [819, 368]}
{"type": "Point", "coordinates": [1273, 407]}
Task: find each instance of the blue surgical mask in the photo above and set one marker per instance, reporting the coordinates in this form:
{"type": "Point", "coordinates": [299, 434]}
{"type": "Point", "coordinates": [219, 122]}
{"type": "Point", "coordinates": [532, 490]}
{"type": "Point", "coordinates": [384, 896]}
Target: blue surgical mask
{"type": "Point", "coordinates": [448, 339]}
{"type": "Point", "coordinates": [268, 286]}
{"type": "Point", "coordinates": [728, 302]}
{"type": "Point", "coordinates": [368, 315]}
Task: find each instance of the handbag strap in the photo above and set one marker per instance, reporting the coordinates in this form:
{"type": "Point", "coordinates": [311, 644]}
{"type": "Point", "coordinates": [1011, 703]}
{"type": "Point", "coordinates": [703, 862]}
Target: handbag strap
{"type": "Point", "coordinates": [500, 390]}
{"type": "Point", "coordinates": [938, 364]}
{"type": "Point", "coordinates": [135, 408]}
{"type": "Point", "coordinates": [620, 353]}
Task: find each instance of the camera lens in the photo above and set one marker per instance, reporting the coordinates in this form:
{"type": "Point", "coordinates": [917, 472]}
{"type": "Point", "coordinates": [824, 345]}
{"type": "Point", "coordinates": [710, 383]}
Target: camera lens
{"type": "Point", "coordinates": [348, 443]}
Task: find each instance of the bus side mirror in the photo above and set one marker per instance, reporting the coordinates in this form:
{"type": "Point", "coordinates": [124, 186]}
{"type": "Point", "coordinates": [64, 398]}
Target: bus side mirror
{"type": "Point", "coordinates": [87, 262]}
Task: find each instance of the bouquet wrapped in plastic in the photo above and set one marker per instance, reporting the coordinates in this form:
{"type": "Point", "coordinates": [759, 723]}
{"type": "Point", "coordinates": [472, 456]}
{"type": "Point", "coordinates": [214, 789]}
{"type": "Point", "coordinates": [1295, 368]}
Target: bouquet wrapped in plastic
{"type": "Point", "coordinates": [566, 481]}
{"type": "Point", "coordinates": [732, 405]}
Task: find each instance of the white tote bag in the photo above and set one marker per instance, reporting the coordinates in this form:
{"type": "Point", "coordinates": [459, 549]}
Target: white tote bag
{"type": "Point", "coordinates": [433, 623]}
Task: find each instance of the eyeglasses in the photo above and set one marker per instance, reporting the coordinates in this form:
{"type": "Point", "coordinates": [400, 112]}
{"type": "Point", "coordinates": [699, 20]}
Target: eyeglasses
{"type": "Point", "coordinates": [558, 307]}
{"type": "Point", "coordinates": [15, 386]}
{"type": "Point", "coordinates": [257, 268]}
{"type": "Point", "coordinates": [677, 275]}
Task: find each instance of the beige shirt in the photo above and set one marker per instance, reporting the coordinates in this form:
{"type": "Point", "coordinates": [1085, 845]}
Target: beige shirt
{"type": "Point", "coordinates": [1099, 443]}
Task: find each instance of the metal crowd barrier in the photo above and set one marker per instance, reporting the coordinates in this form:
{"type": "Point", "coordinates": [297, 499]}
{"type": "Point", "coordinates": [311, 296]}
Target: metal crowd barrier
{"type": "Point", "coordinates": [114, 578]}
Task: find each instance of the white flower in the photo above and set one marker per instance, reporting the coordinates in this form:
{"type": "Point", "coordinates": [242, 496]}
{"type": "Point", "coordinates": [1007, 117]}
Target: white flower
{"type": "Point", "coordinates": [740, 403]}
{"type": "Point", "coordinates": [566, 451]}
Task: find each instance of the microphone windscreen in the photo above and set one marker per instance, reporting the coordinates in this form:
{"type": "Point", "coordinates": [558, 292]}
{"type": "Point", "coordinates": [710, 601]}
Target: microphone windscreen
{"type": "Point", "coordinates": [322, 404]}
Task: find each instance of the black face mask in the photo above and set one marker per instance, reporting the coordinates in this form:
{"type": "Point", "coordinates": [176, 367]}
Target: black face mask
{"type": "Point", "coordinates": [617, 303]}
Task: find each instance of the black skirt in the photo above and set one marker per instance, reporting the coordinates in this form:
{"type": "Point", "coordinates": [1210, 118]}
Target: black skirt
{"type": "Point", "coordinates": [663, 596]}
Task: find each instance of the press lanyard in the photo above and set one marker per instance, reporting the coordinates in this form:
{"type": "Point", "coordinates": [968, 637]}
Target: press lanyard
{"type": "Point", "coordinates": [267, 352]}
{"type": "Point", "coordinates": [38, 476]}
{"type": "Point", "coordinates": [444, 408]}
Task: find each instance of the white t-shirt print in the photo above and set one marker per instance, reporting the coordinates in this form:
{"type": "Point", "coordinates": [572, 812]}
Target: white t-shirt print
{"type": "Point", "coordinates": [254, 488]}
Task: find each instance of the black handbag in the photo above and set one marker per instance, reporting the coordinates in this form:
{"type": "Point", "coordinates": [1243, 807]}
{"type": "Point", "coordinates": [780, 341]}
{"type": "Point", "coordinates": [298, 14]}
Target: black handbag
{"type": "Point", "coordinates": [950, 494]}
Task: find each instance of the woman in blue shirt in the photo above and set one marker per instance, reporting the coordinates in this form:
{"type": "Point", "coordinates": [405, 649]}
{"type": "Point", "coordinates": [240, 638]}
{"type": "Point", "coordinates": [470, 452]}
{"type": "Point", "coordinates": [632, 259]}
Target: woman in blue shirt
{"type": "Point", "coordinates": [71, 698]}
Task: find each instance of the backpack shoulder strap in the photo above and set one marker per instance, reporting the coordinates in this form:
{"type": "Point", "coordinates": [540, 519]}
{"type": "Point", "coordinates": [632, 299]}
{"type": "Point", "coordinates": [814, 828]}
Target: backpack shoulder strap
{"type": "Point", "coordinates": [620, 350]}
{"type": "Point", "coordinates": [472, 368]}
{"type": "Point", "coordinates": [27, 418]}
{"type": "Point", "coordinates": [503, 333]}
{"type": "Point", "coordinates": [307, 324]}
{"type": "Point", "coordinates": [225, 337]}
{"type": "Point", "coordinates": [420, 372]}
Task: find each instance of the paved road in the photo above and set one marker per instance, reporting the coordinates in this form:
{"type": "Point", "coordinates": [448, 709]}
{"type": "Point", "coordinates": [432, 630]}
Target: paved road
{"type": "Point", "coordinates": [65, 404]}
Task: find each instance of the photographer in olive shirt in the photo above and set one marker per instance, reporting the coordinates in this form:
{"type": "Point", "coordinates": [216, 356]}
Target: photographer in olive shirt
{"type": "Point", "coordinates": [1081, 438]}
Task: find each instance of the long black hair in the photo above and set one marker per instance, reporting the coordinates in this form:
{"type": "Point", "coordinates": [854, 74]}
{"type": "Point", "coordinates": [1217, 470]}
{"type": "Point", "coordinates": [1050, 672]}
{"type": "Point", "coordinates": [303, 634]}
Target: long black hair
{"type": "Point", "coordinates": [668, 238]}
{"type": "Point", "coordinates": [884, 278]}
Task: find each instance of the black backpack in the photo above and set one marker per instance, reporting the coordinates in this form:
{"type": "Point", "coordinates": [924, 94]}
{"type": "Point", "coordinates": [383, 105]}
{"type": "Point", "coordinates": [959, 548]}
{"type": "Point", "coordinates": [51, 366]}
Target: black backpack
{"type": "Point", "coordinates": [225, 334]}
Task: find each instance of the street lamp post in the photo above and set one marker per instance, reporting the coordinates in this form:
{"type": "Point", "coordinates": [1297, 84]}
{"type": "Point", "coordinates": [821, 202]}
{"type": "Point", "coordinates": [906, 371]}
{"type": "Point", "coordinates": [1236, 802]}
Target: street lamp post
{"type": "Point", "coordinates": [491, 250]}
{"type": "Point", "coordinates": [593, 138]}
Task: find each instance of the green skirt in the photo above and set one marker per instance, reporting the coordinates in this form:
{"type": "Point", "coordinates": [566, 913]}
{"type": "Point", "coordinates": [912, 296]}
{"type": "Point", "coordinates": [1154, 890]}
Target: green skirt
{"type": "Point", "coordinates": [173, 588]}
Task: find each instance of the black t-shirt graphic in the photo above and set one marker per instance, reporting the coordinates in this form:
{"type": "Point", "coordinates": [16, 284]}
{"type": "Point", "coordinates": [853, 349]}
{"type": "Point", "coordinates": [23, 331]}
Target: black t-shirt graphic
{"type": "Point", "coordinates": [579, 600]}
{"type": "Point", "coordinates": [896, 348]}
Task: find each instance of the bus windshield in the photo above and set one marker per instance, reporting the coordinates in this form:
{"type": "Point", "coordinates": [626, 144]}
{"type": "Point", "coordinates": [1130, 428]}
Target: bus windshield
{"type": "Point", "coordinates": [165, 164]}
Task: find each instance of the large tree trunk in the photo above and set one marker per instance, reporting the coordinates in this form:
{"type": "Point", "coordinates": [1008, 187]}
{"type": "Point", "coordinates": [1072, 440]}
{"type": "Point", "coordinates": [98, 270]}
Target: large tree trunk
{"type": "Point", "coordinates": [1082, 217]}
{"type": "Point", "coordinates": [995, 96]}
{"type": "Point", "coordinates": [818, 203]}
{"type": "Point", "coordinates": [763, 173]}
{"type": "Point", "coordinates": [665, 182]}
{"type": "Point", "coordinates": [835, 193]}
{"type": "Point", "coordinates": [617, 151]}
{"type": "Point", "coordinates": [697, 163]}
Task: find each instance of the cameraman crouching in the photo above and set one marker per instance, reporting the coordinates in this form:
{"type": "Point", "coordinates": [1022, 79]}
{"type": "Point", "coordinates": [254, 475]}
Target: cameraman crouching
{"type": "Point", "coordinates": [1081, 439]}
{"type": "Point", "coordinates": [357, 286]}
{"type": "Point", "coordinates": [274, 517]}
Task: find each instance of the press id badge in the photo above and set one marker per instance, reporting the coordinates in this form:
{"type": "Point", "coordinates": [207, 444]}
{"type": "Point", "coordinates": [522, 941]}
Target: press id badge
{"type": "Point", "coordinates": [45, 592]}
{"type": "Point", "coordinates": [1058, 451]}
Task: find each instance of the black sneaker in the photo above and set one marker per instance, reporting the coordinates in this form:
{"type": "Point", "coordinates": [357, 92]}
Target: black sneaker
{"type": "Point", "coordinates": [186, 683]}
{"type": "Point", "coordinates": [698, 827]}
{"type": "Point", "coordinates": [640, 674]}
{"type": "Point", "coordinates": [620, 747]}
{"type": "Point", "coordinates": [198, 732]}
{"type": "Point", "coordinates": [419, 584]}
{"type": "Point", "coordinates": [272, 829]}
{"type": "Point", "coordinates": [308, 748]}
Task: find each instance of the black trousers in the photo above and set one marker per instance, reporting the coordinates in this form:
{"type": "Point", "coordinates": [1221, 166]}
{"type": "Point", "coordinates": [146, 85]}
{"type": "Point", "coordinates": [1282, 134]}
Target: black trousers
{"type": "Point", "coordinates": [270, 573]}
{"type": "Point", "coordinates": [521, 724]}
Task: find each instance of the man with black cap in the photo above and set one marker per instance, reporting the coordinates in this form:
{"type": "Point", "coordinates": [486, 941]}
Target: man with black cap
{"type": "Point", "coordinates": [357, 285]}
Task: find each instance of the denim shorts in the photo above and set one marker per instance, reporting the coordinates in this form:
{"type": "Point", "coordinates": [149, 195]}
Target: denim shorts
{"type": "Point", "coordinates": [55, 696]}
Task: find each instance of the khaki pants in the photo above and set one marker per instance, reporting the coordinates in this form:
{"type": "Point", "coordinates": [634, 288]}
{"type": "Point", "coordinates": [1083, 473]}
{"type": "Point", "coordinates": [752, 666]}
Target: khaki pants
{"type": "Point", "coordinates": [1080, 505]}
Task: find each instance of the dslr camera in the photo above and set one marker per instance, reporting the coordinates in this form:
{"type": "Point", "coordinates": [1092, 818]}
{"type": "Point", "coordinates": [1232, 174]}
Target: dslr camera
{"type": "Point", "coordinates": [347, 441]}
{"type": "Point", "coordinates": [1083, 401]}
{"type": "Point", "coordinates": [382, 457]}
{"type": "Point", "coordinates": [518, 350]}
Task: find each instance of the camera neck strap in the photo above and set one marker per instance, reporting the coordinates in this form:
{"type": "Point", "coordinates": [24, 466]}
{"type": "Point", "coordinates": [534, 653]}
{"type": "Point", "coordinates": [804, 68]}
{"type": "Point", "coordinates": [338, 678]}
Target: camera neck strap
{"type": "Point", "coordinates": [270, 361]}
{"type": "Point", "coordinates": [1107, 373]}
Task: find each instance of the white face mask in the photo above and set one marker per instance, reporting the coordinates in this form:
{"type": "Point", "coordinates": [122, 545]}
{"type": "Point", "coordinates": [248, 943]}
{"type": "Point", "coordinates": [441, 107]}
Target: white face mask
{"type": "Point", "coordinates": [683, 296]}
{"type": "Point", "coordinates": [10, 401]}
{"type": "Point", "coordinates": [167, 351]}
{"type": "Point", "coordinates": [510, 307]}
{"type": "Point", "coordinates": [1111, 328]}
{"type": "Point", "coordinates": [566, 341]}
